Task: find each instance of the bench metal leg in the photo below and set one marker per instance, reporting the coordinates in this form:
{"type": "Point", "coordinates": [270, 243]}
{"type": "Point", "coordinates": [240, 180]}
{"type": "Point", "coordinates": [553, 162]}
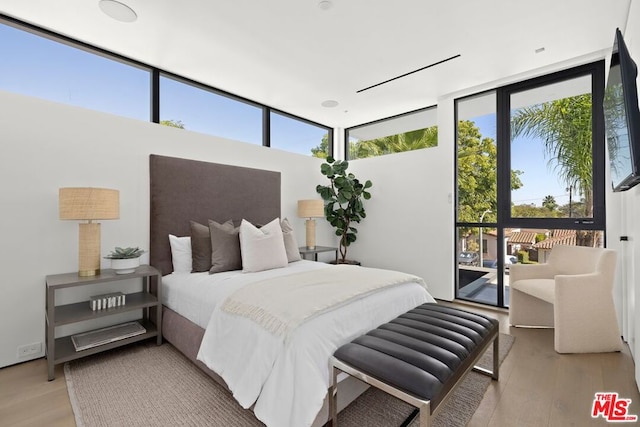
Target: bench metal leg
{"type": "Point", "coordinates": [496, 358]}
{"type": "Point", "coordinates": [425, 415]}
{"type": "Point", "coordinates": [333, 399]}
{"type": "Point", "coordinates": [495, 373]}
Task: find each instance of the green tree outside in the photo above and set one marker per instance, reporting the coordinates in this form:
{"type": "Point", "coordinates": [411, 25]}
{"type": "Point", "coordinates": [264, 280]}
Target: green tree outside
{"type": "Point", "coordinates": [549, 202]}
{"type": "Point", "coordinates": [322, 150]}
{"type": "Point", "coordinates": [173, 123]}
{"type": "Point", "coordinates": [477, 174]}
{"type": "Point", "coordinates": [407, 141]}
{"type": "Point", "coordinates": [533, 211]}
{"type": "Point", "coordinates": [564, 126]}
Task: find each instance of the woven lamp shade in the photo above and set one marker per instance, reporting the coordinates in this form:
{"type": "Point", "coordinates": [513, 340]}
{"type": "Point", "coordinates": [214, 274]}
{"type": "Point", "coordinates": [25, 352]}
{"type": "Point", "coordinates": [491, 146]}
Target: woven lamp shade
{"type": "Point", "coordinates": [84, 203]}
{"type": "Point", "coordinates": [310, 208]}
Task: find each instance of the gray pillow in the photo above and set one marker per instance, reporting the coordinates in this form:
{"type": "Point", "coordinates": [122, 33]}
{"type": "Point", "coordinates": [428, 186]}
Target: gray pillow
{"type": "Point", "coordinates": [200, 247]}
{"type": "Point", "coordinates": [225, 247]}
{"type": "Point", "coordinates": [290, 242]}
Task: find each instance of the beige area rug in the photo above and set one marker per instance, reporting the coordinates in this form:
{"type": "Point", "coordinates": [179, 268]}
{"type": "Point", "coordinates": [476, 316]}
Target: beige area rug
{"type": "Point", "coordinates": [149, 385]}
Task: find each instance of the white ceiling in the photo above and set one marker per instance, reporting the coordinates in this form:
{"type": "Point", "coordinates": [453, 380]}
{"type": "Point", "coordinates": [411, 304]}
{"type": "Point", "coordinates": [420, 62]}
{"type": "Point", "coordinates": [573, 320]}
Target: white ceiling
{"type": "Point", "coordinates": [292, 55]}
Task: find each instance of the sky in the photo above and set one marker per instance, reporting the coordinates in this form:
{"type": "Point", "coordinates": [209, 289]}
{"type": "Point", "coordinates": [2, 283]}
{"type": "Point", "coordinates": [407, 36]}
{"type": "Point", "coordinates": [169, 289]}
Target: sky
{"type": "Point", "coordinates": [36, 66]}
{"type": "Point", "coordinates": [40, 67]}
{"type": "Point", "coordinates": [527, 155]}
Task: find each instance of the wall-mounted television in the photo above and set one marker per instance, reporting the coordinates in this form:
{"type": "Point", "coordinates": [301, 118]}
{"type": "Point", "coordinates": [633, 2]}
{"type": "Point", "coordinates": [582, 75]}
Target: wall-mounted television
{"type": "Point", "coordinates": [622, 117]}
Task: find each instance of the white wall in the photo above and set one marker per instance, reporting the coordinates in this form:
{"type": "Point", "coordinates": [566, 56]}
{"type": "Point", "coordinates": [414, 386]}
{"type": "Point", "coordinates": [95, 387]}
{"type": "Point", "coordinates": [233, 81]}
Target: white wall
{"type": "Point", "coordinates": [622, 219]}
{"type": "Point", "coordinates": [409, 223]}
{"type": "Point", "coordinates": [46, 146]}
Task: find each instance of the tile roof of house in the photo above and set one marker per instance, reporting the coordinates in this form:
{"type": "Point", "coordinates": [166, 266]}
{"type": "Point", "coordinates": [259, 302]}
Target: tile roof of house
{"type": "Point", "coordinates": [560, 237]}
{"type": "Point", "coordinates": [523, 237]}
{"type": "Point", "coordinates": [559, 233]}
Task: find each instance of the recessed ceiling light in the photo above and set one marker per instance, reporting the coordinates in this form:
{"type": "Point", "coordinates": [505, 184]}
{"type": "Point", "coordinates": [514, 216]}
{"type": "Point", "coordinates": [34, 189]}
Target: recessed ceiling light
{"type": "Point", "coordinates": [325, 4]}
{"type": "Point", "coordinates": [118, 11]}
{"type": "Point", "coordinates": [329, 103]}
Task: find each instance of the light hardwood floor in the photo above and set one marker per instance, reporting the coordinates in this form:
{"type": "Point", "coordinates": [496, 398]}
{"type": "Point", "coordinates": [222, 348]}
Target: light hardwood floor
{"type": "Point", "coordinates": [537, 387]}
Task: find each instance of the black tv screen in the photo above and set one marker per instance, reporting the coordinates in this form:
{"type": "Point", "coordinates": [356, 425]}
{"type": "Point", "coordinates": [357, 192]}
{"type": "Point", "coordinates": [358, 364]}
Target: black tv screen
{"type": "Point", "coordinates": [622, 117]}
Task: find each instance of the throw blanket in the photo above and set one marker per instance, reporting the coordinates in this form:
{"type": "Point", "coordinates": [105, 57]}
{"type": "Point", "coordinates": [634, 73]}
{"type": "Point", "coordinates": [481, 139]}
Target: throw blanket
{"type": "Point", "coordinates": [281, 304]}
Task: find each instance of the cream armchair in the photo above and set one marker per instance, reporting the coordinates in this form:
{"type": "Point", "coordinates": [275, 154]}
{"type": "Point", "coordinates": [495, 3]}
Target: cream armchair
{"type": "Point", "coordinates": [571, 293]}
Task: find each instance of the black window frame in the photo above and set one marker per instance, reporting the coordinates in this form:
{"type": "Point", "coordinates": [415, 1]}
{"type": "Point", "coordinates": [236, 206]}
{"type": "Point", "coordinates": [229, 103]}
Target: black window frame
{"type": "Point", "coordinates": [154, 78]}
{"type": "Point", "coordinates": [270, 110]}
{"type": "Point", "coordinates": [598, 222]}
{"type": "Point", "coordinates": [503, 144]}
{"type": "Point", "coordinates": [346, 130]}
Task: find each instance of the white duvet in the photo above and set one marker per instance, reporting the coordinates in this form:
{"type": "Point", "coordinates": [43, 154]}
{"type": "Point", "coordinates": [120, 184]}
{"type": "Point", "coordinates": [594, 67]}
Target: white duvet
{"type": "Point", "coordinates": [287, 382]}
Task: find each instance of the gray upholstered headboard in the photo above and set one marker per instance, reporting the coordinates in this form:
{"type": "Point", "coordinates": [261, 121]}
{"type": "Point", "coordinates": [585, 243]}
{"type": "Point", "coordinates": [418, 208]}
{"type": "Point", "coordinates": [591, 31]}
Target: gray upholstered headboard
{"type": "Point", "coordinates": [184, 190]}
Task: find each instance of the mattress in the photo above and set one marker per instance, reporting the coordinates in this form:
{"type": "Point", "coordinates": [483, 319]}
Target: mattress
{"type": "Point", "coordinates": [195, 295]}
{"type": "Point", "coordinates": [285, 383]}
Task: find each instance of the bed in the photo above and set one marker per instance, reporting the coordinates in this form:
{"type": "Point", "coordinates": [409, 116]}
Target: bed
{"type": "Point", "coordinates": [284, 381]}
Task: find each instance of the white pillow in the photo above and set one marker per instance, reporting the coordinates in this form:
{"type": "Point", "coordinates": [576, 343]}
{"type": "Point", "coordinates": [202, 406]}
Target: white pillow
{"type": "Point", "coordinates": [180, 253]}
{"type": "Point", "coordinates": [290, 242]}
{"type": "Point", "coordinates": [262, 248]}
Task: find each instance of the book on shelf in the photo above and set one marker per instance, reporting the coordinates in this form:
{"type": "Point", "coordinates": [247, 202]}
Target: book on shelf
{"type": "Point", "coordinates": [106, 335]}
{"type": "Point", "coordinates": [106, 301]}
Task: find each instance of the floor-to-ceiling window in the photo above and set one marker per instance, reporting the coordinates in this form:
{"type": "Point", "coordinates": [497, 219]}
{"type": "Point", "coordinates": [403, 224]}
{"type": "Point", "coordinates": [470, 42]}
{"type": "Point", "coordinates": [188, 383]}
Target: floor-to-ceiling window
{"type": "Point", "coordinates": [530, 175]}
{"type": "Point", "coordinates": [477, 193]}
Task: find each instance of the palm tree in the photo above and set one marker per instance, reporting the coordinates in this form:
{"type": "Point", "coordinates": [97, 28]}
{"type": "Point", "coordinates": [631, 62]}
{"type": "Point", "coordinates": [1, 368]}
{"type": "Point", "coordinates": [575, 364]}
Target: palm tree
{"type": "Point", "coordinates": [407, 141]}
{"type": "Point", "coordinates": [564, 126]}
{"type": "Point", "coordinates": [549, 202]}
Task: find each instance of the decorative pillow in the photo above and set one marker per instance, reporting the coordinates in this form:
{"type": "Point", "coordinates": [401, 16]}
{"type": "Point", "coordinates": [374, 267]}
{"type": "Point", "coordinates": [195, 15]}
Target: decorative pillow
{"type": "Point", "coordinates": [225, 247]}
{"type": "Point", "coordinates": [290, 242]}
{"type": "Point", "coordinates": [180, 253]}
{"type": "Point", "coordinates": [200, 247]}
{"type": "Point", "coordinates": [262, 248]}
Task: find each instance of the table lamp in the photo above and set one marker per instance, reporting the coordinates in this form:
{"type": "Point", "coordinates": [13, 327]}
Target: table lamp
{"type": "Point", "coordinates": [311, 209]}
{"type": "Point", "coordinates": [83, 203]}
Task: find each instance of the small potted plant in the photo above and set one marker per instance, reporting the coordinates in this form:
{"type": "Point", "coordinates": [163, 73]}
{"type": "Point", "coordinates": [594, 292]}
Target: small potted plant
{"type": "Point", "coordinates": [125, 260]}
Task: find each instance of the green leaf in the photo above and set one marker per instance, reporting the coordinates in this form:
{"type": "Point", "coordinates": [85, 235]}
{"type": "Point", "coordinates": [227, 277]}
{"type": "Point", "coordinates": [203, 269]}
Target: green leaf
{"type": "Point", "coordinates": [326, 169]}
{"type": "Point", "coordinates": [344, 200]}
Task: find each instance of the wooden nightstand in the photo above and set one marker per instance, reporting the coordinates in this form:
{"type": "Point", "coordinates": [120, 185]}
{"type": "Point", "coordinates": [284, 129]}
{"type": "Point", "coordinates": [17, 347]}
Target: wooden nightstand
{"type": "Point", "coordinates": [304, 251]}
{"type": "Point", "coordinates": [60, 350]}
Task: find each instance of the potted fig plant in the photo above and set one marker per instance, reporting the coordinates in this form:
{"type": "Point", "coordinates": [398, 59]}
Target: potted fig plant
{"type": "Point", "coordinates": [125, 260]}
{"type": "Point", "coordinates": [343, 202]}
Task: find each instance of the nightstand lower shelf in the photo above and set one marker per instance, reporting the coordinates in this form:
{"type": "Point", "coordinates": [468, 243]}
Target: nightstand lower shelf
{"type": "Point", "coordinates": [65, 351]}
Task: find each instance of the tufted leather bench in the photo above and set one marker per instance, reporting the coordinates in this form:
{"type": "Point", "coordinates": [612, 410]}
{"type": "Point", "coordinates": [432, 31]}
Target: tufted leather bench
{"type": "Point", "coordinates": [418, 357]}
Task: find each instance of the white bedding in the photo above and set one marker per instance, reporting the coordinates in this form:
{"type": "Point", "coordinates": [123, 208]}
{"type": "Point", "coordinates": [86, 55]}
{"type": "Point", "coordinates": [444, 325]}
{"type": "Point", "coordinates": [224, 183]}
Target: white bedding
{"type": "Point", "coordinates": [195, 295]}
{"type": "Point", "coordinates": [286, 381]}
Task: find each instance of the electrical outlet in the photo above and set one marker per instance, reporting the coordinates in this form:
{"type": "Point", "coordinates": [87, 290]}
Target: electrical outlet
{"type": "Point", "coordinates": [29, 349]}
